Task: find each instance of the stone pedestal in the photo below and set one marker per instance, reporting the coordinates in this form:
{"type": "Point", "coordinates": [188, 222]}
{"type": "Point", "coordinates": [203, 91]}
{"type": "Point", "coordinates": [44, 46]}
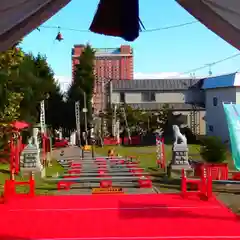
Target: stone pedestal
{"type": "Point", "coordinates": [30, 159]}
{"type": "Point", "coordinates": [180, 159]}
{"type": "Point", "coordinates": [180, 155]}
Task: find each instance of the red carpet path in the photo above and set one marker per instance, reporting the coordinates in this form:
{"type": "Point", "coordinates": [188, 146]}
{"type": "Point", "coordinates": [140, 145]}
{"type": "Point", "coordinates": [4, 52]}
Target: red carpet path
{"type": "Point", "coordinates": [116, 217]}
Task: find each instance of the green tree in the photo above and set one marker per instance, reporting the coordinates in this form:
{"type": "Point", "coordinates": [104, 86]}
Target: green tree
{"type": "Point", "coordinates": [84, 80]}
{"type": "Point", "coordinates": [10, 61]}
{"type": "Point", "coordinates": [55, 110]}
{"type": "Point", "coordinates": [35, 80]}
{"type": "Point", "coordinates": [164, 117]}
{"type": "Point", "coordinates": [213, 150]}
{"type": "Point", "coordinates": [11, 112]}
{"type": "Point", "coordinates": [24, 81]}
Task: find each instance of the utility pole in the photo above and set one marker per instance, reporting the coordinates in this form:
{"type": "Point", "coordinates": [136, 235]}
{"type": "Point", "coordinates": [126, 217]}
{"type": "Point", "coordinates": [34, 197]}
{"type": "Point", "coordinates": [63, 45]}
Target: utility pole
{"type": "Point", "coordinates": [102, 107]}
{"type": "Point", "coordinates": [77, 115]}
{"type": "Point", "coordinates": [85, 110]}
{"type": "Point", "coordinates": [209, 69]}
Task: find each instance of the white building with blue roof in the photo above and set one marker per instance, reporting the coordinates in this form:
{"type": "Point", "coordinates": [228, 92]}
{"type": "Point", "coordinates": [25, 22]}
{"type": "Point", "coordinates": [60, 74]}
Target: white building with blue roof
{"type": "Point", "coordinates": [219, 89]}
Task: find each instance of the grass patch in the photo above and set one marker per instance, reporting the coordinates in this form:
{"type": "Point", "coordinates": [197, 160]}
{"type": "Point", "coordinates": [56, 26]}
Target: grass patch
{"type": "Point", "coordinates": [41, 186]}
{"type": "Point", "coordinates": [146, 154]}
{"type": "Point", "coordinates": [44, 188]}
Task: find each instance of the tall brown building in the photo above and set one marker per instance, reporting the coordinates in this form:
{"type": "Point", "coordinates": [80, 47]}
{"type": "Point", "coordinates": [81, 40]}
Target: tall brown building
{"type": "Point", "coordinates": [110, 64]}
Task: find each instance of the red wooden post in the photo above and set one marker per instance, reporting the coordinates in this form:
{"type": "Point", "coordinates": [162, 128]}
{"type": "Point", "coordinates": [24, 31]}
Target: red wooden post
{"type": "Point", "coordinates": [31, 186]}
{"type": "Point", "coordinates": [203, 182]}
{"type": "Point", "coordinates": [209, 186]}
{"type": "Point", "coordinates": [184, 183]}
{"type": "Point", "coordinates": [163, 155]}
{"type": "Point", "coordinates": [12, 157]}
{"type": "Point", "coordinates": [17, 154]}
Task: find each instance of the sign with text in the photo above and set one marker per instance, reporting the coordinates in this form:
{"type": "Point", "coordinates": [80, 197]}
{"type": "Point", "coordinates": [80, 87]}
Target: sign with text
{"type": "Point", "coordinates": [30, 159]}
{"type": "Point", "coordinates": [111, 190]}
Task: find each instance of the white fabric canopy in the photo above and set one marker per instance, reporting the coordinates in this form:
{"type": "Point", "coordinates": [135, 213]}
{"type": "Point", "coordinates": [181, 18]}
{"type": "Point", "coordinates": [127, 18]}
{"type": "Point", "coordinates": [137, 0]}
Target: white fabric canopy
{"type": "Point", "coordinates": [220, 16]}
{"type": "Point", "coordinates": [20, 17]}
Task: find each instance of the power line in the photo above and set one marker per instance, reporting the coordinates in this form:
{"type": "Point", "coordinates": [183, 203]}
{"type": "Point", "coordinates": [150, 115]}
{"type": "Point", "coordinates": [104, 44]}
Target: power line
{"type": "Point", "coordinates": [143, 31]}
{"type": "Point", "coordinates": [209, 64]}
{"type": "Point", "coordinates": [66, 29]}
{"type": "Point", "coordinates": [170, 27]}
{"type": "Point", "coordinates": [195, 69]}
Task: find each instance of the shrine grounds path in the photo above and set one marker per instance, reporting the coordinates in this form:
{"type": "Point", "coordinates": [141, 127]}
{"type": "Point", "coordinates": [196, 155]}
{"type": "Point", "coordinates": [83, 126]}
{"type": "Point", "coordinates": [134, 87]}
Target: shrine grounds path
{"type": "Point", "coordinates": [147, 156]}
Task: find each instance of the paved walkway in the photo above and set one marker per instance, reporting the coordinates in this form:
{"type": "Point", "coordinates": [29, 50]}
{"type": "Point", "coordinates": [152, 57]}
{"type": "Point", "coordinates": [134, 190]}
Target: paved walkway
{"type": "Point", "coordinates": [74, 153]}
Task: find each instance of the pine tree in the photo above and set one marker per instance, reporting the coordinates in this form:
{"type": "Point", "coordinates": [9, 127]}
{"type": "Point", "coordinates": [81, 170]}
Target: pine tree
{"type": "Point", "coordinates": [84, 80]}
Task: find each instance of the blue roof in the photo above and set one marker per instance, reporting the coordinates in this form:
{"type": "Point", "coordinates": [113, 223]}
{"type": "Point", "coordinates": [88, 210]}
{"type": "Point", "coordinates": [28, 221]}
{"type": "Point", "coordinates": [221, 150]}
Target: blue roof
{"type": "Point", "coordinates": [223, 81]}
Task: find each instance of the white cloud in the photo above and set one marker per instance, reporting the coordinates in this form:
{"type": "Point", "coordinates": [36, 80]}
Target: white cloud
{"type": "Point", "coordinates": [159, 75]}
{"type": "Point", "coordinates": [64, 82]}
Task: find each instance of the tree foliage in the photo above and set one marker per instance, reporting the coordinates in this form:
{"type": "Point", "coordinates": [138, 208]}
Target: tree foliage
{"type": "Point", "coordinates": [10, 112]}
{"type": "Point", "coordinates": [213, 150]}
{"type": "Point", "coordinates": [143, 121]}
{"type": "Point", "coordinates": [24, 81]}
{"type": "Point", "coordinates": [11, 59]}
{"type": "Point", "coordinates": [83, 83]}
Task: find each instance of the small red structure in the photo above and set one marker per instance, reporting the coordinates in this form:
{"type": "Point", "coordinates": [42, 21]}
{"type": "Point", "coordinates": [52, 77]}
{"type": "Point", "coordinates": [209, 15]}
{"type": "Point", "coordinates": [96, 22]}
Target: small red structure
{"type": "Point", "coordinates": [218, 171]}
{"type": "Point", "coordinates": [60, 143]}
{"type": "Point", "coordinates": [10, 188]}
{"type": "Point", "coordinates": [16, 147]}
{"type": "Point", "coordinates": [204, 184]}
{"type": "Point", "coordinates": [135, 140]}
{"type": "Point", "coordinates": [19, 125]}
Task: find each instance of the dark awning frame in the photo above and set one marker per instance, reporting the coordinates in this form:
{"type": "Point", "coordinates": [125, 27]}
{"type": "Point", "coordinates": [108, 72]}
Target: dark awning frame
{"type": "Point", "coordinates": [20, 17]}
{"type": "Point", "coordinates": [220, 16]}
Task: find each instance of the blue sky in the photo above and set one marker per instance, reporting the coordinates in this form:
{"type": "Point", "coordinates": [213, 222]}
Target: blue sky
{"type": "Point", "coordinates": [175, 50]}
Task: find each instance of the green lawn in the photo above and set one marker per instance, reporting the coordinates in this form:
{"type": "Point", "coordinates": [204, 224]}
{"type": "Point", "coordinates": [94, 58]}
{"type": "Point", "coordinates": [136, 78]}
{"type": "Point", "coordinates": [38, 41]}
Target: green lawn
{"type": "Point", "coordinates": [146, 154]}
{"type": "Point", "coordinates": [41, 186]}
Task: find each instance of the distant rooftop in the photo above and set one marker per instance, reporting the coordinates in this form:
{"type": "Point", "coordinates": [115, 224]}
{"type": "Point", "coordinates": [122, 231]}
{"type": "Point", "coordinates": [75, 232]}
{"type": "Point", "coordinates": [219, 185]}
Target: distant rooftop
{"type": "Point", "coordinates": [123, 50]}
{"type": "Point", "coordinates": [155, 84]}
{"type": "Point", "coordinates": [108, 50]}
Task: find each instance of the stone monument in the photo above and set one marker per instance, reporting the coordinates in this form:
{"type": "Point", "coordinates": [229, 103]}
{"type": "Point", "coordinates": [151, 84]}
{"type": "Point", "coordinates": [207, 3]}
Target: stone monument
{"type": "Point", "coordinates": [179, 151]}
{"type": "Point", "coordinates": [30, 161]}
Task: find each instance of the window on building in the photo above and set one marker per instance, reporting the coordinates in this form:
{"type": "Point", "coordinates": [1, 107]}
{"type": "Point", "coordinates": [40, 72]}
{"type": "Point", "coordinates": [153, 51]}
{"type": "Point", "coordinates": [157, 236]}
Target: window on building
{"type": "Point", "coordinates": [148, 97]}
{"type": "Point", "coordinates": [215, 101]}
{"type": "Point", "coordinates": [122, 97]}
{"type": "Point", "coordinates": [210, 127]}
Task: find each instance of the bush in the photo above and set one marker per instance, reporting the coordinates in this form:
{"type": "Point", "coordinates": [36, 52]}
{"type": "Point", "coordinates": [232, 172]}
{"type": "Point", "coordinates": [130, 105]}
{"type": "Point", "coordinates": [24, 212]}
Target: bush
{"type": "Point", "coordinates": [213, 150]}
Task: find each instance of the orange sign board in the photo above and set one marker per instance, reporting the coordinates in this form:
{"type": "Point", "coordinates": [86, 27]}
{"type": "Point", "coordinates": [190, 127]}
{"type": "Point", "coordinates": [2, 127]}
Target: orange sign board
{"type": "Point", "coordinates": [111, 190]}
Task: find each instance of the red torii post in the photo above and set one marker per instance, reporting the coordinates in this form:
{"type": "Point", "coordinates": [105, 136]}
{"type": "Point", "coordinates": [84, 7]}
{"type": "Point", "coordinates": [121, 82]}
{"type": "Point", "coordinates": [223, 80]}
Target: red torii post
{"type": "Point", "coordinates": [16, 146]}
